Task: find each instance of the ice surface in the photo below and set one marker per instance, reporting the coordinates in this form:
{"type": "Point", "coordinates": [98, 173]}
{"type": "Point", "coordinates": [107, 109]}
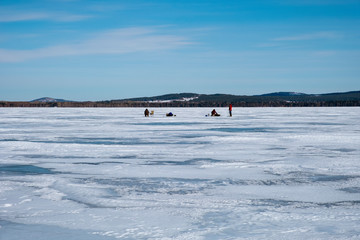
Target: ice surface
{"type": "Point", "coordinates": [265, 173]}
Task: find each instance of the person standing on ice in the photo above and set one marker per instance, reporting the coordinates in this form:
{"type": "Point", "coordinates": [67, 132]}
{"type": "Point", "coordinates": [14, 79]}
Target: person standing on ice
{"type": "Point", "coordinates": [230, 110]}
{"type": "Point", "coordinates": [146, 112]}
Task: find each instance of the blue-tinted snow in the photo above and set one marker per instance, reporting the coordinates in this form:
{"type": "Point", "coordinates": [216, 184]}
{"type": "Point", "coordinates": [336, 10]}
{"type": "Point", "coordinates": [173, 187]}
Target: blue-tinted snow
{"type": "Point", "coordinates": [265, 173]}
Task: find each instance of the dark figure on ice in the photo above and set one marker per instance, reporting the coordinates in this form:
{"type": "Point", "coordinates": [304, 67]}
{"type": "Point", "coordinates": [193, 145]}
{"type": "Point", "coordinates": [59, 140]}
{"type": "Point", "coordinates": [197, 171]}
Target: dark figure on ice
{"type": "Point", "coordinates": [170, 114]}
{"type": "Point", "coordinates": [230, 110]}
{"type": "Point", "coordinates": [146, 112]}
{"type": "Point", "coordinates": [214, 113]}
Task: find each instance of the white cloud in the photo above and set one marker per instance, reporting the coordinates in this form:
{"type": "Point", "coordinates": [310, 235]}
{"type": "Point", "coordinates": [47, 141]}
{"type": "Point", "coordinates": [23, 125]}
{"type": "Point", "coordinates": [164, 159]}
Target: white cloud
{"type": "Point", "coordinates": [325, 53]}
{"type": "Point", "coordinates": [11, 17]}
{"type": "Point", "coordinates": [310, 36]}
{"type": "Point", "coordinates": [8, 15]}
{"type": "Point", "coordinates": [119, 41]}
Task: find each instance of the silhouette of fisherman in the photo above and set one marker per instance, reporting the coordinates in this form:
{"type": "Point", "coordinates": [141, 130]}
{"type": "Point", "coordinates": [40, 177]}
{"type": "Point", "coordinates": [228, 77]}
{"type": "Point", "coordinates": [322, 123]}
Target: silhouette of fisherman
{"type": "Point", "coordinates": [146, 112]}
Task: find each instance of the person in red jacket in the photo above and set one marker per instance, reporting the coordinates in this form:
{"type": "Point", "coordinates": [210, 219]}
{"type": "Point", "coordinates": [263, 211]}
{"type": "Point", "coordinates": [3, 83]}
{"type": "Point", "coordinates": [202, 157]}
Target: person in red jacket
{"type": "Point", "coordinates": [230, 110]}
{"type": "Point", "coordinates": [214, 113]}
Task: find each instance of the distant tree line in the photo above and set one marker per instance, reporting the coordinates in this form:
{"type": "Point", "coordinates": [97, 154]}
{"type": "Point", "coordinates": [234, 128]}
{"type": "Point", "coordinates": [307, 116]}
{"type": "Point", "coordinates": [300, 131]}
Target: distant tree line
{"type": "Point", "coordinates": [282, 99]}
{"type": "Point", "coordinates": [114, 104]}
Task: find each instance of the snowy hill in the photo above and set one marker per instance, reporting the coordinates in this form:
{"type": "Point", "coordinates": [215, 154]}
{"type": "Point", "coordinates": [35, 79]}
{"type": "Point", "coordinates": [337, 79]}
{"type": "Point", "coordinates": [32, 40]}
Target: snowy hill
{"type": "Point", "coordinates": [284, 94]}
{"type": "Point", "coordinates": [49, 100]}
{"type": "Point", "coordinates": [166, 98]}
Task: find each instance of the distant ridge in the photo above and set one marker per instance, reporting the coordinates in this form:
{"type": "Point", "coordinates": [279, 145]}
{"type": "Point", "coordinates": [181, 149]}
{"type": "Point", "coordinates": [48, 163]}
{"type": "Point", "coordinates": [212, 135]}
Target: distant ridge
{"type": "Point", "coordinates": [49, 100]}
{"type": "Point", "coordinates": [276, 99]}
{"type": "Point", "coordinates": [166, 97]}
{"type": "Point", "coordinates": [284, 94]}
{"type": "Point", "coordinates": [268, 97]}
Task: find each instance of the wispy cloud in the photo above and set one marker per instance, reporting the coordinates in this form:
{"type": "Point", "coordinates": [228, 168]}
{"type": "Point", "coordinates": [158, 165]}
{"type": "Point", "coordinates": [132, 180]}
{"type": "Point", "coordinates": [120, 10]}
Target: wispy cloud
{"type": "Point", "coordinates": [325, 53]}
{"type": "Point", "coordinates": [310, 36]}
{"type": "Point", "coordinates": [119, 41]}
{"type": "Point", "coordinates": [8, 15]}
{"type": "Point", "coordinates": [108, 7]}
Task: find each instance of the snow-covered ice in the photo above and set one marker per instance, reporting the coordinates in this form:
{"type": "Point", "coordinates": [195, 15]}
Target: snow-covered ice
{"type": "Point", "coordinates": [265, 173]}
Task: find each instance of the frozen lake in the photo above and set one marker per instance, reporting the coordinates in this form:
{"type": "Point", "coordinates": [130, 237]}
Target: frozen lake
{"type": "Point", "coordinates": [265, 173]}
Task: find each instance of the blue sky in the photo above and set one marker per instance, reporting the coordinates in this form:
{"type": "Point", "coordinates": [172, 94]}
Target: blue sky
{"type": "Point", "coordinates": [102, 50]}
